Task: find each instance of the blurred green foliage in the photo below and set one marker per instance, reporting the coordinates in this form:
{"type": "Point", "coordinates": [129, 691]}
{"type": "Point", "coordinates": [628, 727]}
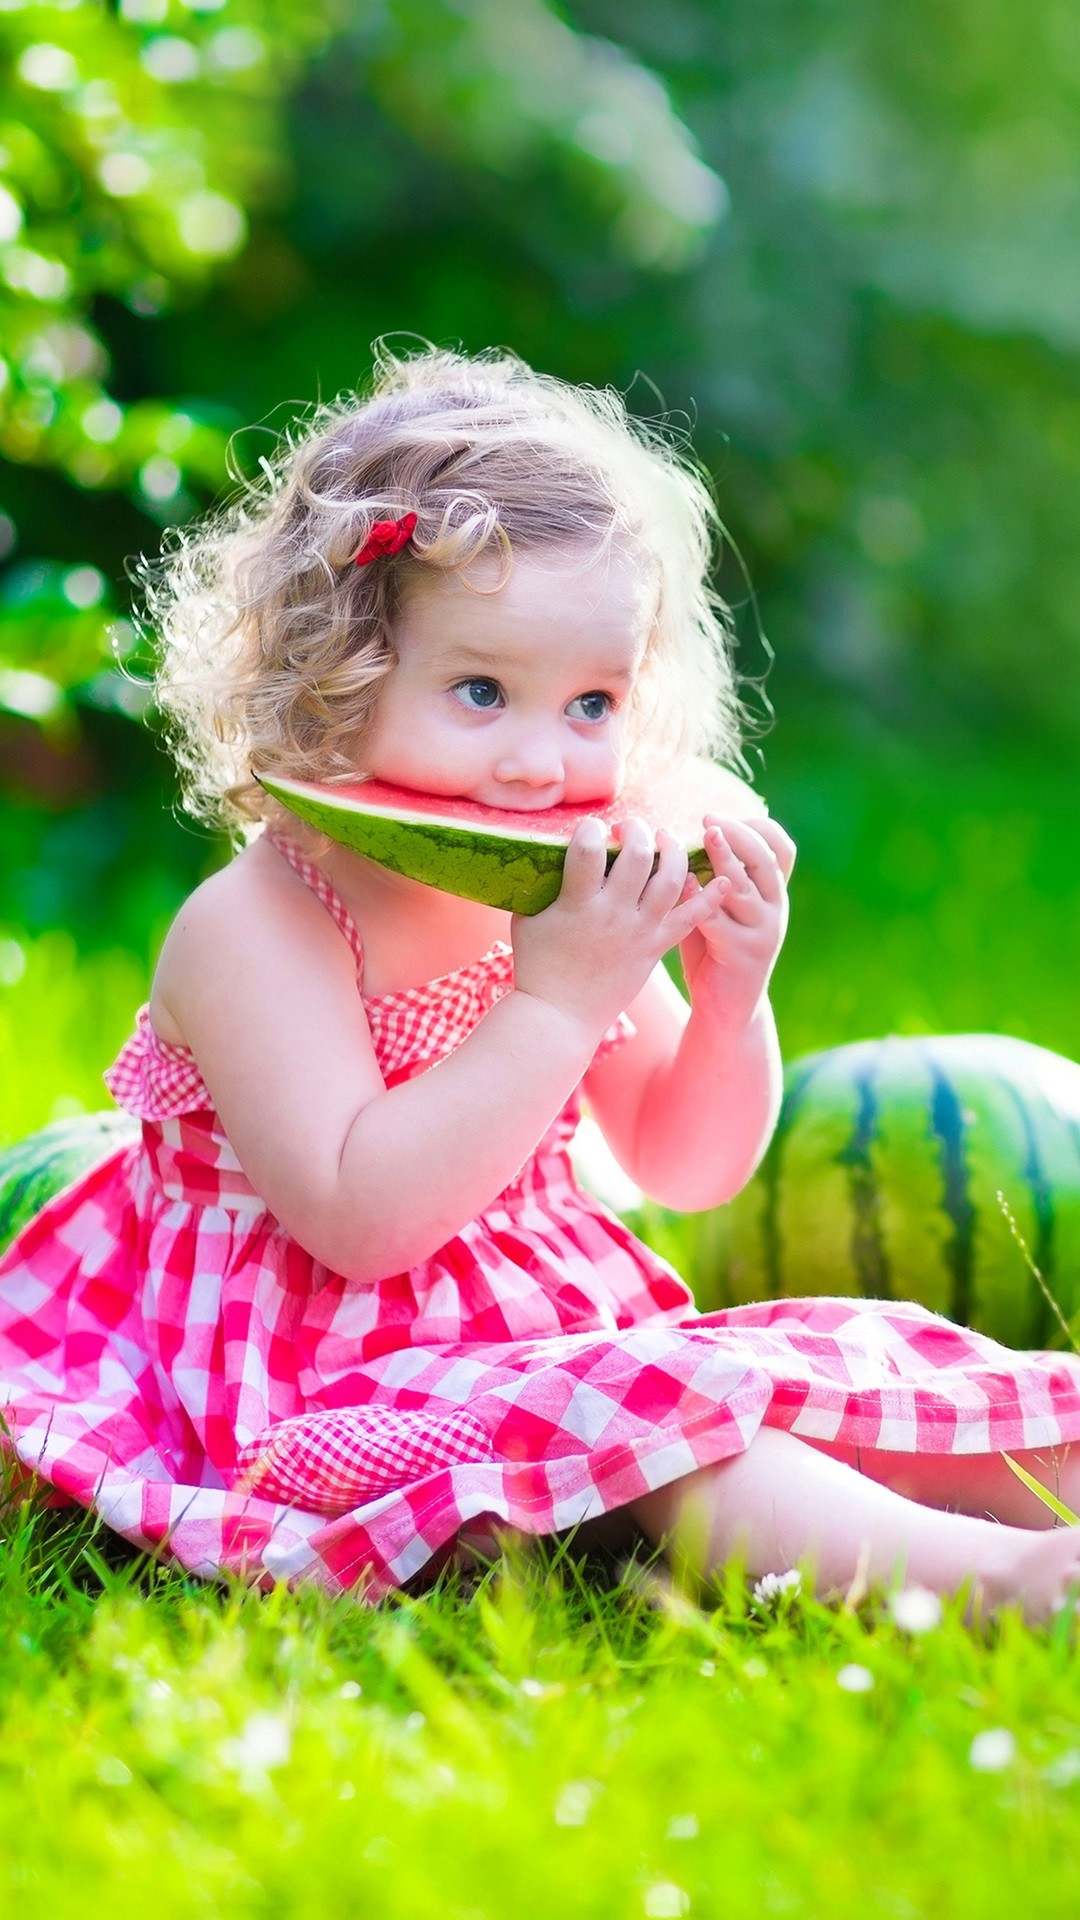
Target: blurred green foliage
{"type": "Point", "coordinates": [835, 241]}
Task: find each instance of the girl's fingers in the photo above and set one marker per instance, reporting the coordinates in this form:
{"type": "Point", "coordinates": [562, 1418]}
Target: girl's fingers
{"type": "Point", "coordinates": [668, 882]}
{"type": "Point", "coordinates": [750, 862]}
{"type": "Point", "coordinates": [691, 912]}
{"type": "Point", "coordinates": [742, 902]}
{"type": "Point", "coordinates": [746, 836]}
{"type": "Point", "coordinates": [586, 862]}
{"type": "Point", "coordinates": [781, 843]}
{"type": "Point", "coordinates": [633, 865]}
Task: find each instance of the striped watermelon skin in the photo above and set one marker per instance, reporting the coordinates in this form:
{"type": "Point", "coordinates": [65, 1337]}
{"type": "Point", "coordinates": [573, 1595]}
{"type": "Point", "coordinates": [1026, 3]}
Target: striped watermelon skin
{"type": "Point", "coordinates": [882, 1179]}
{"type": "Point", "coordinates": [35, 1169]}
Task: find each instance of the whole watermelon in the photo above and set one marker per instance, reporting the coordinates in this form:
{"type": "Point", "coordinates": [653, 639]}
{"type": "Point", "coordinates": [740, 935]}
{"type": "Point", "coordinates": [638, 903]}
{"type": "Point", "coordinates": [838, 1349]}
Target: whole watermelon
{"type": "Point", "coordinates": [882, 1179]}
{"type": "Point", "coordinates": [43, 1164]}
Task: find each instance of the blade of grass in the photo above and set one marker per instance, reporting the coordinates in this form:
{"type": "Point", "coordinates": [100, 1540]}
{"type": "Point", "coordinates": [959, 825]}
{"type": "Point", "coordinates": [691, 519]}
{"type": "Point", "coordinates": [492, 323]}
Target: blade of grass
{"type": "Point", "coordinates": [1034, 1271]}
{"type": "Point", "coordinates": [1042, 1493]}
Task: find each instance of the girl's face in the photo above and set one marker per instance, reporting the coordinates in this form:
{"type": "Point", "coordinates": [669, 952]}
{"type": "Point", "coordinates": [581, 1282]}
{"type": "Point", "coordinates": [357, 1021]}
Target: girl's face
{"type": "Point", "coordinates": [520, 697]}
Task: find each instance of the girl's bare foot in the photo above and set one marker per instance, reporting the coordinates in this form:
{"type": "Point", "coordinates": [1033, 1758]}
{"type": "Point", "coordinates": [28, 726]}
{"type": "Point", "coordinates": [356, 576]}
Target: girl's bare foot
{"type": "Point", "coordinates": [1036, 1576]}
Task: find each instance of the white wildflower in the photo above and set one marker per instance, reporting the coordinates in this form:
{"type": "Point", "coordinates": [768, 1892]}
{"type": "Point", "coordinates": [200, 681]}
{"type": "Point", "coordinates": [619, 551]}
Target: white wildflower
{"type": "Point", "coordinates": [574, 1804]}
{"type": "Point", "coordinates": [350, 1690]}
{"type": "Point", "coordinates": [855, 1679]}
{"type": "Point", "coordinates": [772, 1585]}
{"type": "Point", "coordinates": [682, 1826]}
{"type": "Point", "coordinates": [1064, 1770]}
{"type": "Point", "coordinates": [992, 1750]}
{"type": "Point", "coordinates": [263, 1743]}
{"type": "Point", "coordinates": [916, 1609]}
{"type": "Point", "coordinates": [665, 1901]}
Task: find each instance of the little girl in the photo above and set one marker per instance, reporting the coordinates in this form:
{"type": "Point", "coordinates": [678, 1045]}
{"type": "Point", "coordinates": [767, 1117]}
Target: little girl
{"type": "Point", "coordinates": [344, 1303]}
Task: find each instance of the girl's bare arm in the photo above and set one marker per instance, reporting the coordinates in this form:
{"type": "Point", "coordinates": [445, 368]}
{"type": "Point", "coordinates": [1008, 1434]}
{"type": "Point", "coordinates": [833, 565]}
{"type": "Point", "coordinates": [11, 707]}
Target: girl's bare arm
{"type": "Point", "coordinates": [688, 1110]}
{"type": "Point", "coordinates": [370, 1181]}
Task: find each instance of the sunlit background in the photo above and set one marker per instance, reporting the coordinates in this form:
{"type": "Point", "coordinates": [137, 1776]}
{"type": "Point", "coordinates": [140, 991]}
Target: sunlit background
{"type": "Point", "coordinates": [838, 242]}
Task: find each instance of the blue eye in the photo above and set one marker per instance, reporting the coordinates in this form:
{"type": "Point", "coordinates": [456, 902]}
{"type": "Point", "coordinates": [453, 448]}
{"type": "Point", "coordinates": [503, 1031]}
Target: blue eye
{"type": "Point", "coordinates": [593, 706]}
{"type": "Point", "coordinates": [478, 695]}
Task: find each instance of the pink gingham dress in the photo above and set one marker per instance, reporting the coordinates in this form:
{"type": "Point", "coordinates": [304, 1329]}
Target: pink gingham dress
{"type": "Point", "coordinates": [171, 1358]}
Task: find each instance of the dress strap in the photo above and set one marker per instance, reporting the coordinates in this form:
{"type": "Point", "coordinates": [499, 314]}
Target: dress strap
{"type": "Point", "coordinates": [320, 885]}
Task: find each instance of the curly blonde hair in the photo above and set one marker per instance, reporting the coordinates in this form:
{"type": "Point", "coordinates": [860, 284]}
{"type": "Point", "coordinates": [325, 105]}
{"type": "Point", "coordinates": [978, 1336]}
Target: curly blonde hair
{"type": "Point", "coordinates": [272, 645]}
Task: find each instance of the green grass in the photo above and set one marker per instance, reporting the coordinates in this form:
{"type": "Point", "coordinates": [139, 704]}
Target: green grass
{"type": "Point", "coordinates": [63, 1018]}
{"type": "Point", "coordinates": [546, 1740]}
{"type": "Point", "coordinates": [934, 893]}
{"type": "Point", "coordinates": [562, 1737]}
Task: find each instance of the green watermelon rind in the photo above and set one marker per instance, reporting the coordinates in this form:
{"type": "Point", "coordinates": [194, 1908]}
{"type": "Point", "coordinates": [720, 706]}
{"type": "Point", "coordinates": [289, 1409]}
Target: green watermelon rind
{"type": "Point", "coordinates": [517, 872]}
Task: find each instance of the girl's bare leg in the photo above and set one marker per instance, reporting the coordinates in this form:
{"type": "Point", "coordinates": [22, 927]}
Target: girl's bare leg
{"type": "Point", "coordinates": [783, 1501]}
{"type": "Point", "coordinates": [975, 1483]}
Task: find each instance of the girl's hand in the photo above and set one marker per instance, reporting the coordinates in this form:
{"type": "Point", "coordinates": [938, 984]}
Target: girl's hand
{"type": "Point", "coordinates": [729, 955]}
{"type": "Point", "coordinates": [591, 952]}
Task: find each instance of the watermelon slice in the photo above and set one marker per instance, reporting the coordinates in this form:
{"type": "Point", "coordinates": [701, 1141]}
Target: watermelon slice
{"type": "Point", "coordinates": [503, 857]}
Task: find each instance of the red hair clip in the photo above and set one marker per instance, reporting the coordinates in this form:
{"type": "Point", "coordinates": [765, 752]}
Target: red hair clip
{"type": "Point", "coordinates": [386, 536]}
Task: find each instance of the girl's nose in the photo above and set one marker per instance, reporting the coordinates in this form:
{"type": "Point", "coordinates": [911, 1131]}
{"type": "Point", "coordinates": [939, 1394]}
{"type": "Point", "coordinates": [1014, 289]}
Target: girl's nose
{"type": "Point", "coordinates": [533, 759]}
